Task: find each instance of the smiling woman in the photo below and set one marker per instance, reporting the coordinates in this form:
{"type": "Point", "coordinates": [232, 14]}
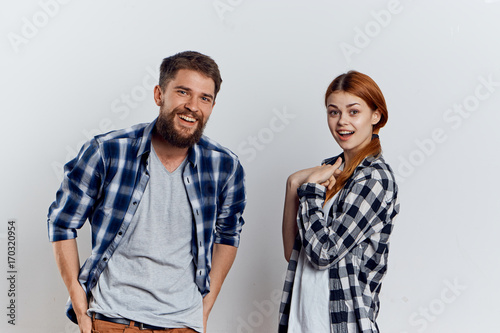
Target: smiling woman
{"type": "Point", "coordinates": [370, 101]}
{"type": "Point", "coordinates": [338, 218]}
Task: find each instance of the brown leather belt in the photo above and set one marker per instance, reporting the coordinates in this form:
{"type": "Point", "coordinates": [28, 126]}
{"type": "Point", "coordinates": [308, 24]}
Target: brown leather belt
{"type": "Point", "coordinates": [124, 321]}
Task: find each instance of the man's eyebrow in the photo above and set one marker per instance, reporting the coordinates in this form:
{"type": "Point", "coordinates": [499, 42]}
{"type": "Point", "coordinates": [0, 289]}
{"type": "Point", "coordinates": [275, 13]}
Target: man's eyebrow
{"type": "Point", "coordinates": [182, 87]}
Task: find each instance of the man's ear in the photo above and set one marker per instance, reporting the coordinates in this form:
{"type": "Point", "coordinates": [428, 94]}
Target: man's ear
{"type": "Point", "coordinates": [158, 95]}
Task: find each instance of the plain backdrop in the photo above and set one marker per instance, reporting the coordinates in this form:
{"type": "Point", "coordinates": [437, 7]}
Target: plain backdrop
{"type": "Point", "coordinates": [73, 69]}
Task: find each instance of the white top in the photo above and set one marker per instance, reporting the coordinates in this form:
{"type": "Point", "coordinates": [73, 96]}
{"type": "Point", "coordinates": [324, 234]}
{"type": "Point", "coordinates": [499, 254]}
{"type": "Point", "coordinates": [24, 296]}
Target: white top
{"type": "Point", "coordinates": [309, 308]}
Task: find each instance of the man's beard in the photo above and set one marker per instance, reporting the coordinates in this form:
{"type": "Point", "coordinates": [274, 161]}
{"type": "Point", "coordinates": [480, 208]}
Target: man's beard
{"type": "Point", "coordinates": [166, 128]}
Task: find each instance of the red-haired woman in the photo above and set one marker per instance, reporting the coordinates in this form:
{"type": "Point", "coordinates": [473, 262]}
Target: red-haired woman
{"type": "Point", "coordinates": [337, 219]}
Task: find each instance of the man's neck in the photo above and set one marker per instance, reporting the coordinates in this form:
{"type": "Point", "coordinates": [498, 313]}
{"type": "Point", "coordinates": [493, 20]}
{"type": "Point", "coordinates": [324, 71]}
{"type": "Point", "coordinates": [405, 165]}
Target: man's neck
{"type": "Point", "coordinates": [170, 156]}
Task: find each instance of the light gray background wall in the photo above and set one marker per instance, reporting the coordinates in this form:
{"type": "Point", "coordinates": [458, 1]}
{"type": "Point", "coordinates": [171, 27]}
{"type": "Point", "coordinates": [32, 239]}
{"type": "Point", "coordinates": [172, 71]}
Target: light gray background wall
{"type": "Point", "coordinates": [72, 69]}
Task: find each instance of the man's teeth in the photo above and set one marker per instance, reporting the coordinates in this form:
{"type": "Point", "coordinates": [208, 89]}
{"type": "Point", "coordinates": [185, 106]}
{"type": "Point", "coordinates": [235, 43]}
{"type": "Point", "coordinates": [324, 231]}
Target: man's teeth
{"type": "Point", "coordinates": [346, 132]}
{"type": "Point", "coordinates": [187, 118]}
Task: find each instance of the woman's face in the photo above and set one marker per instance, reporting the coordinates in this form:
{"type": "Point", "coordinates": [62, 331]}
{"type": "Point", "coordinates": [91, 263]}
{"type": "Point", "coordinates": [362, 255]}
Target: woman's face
{"type": "Point", "coordinates": [351, 121]}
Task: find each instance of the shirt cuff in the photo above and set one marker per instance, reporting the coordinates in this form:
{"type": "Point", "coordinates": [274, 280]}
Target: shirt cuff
{"type": "Point", "coordinates": [234, 241]}
{"type": "Point", "coordinates": [311, 190]}
{"type": "Point", "coordinates": [57, 233]}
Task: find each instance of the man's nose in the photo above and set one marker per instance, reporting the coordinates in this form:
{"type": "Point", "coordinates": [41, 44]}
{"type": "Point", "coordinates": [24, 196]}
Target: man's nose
{"type": "Point", "coordinates": [192, 105]}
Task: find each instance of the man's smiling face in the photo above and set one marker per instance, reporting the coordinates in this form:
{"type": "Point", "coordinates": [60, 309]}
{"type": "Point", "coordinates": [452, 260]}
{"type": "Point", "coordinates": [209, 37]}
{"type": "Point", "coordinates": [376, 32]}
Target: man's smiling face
{"type": "Point", "coordinates": [185, 103]}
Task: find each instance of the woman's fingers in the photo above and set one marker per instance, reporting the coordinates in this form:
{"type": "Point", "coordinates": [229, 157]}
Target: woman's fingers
{"type": "Point", "coordinates": [324, 174]}
{"type": "Point", "coordinates": [331, 182]}
{"type": "Point", "coordinates": [337, 163]}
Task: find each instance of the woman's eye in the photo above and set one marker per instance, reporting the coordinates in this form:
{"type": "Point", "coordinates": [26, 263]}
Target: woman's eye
{"type": "Point", "coordinates": [333, 112]}
{"type": "Point", "coordinates": [354, 111]}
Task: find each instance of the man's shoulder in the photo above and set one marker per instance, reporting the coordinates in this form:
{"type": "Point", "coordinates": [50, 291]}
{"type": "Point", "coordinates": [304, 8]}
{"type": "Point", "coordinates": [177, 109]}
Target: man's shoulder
{"type": "Point", "coordinates": [132, 132]}
{"type": "Point", "coordinates": [210, 147]}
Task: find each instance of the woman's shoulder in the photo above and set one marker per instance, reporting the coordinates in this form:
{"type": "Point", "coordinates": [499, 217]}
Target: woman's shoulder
{"type": "Point", "coordinates": [375, 168]}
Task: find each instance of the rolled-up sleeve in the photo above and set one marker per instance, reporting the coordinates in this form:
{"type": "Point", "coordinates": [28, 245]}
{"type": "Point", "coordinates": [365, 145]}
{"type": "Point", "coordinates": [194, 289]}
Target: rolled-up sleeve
{"type": "Point", "coordinates": [233, 200]}
{"type": "Point", "coordinates": [77, 193]}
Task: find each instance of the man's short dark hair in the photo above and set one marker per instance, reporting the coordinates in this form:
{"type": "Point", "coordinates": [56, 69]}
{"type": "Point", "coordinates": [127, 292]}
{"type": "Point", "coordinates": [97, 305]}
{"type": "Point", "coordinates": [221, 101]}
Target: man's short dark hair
{"type": "Point", "coordinates": [189, 60]}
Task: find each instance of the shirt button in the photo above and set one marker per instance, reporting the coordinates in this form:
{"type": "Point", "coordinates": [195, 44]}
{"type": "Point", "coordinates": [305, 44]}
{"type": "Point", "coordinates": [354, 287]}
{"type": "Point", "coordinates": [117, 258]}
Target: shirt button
{"type": "Point", "coordinates": [105, 259]}
{"type": "Point", "coordinates": [134, 203]}
{"type": "Point", "coordinates": [120, 233]}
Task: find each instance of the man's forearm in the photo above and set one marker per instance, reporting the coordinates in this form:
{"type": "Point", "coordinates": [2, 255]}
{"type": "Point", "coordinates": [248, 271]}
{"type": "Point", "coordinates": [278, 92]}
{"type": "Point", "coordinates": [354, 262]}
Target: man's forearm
{"type": "Point", "coordinates": [222, 260]}
{"type": "Point", "coordinates": [66, 254]}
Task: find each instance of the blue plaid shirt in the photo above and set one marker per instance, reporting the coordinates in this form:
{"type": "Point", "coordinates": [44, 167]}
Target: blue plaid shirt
{"type": "Point", "coordinates": [105, 184]}
{"type": "Point", "coordinates": [352, 242]}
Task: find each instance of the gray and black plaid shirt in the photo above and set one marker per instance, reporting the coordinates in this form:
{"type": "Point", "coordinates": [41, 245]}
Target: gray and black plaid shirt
{"type": "Point", "coordinates": [351, 242]}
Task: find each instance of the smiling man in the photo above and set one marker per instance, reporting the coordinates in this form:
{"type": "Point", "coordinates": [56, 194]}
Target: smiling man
{"type": "Point", "coordinates": [165, 205]}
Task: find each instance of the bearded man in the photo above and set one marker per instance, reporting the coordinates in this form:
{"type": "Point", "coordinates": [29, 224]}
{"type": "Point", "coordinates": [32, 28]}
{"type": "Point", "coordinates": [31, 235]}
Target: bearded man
{"type": "Point", "coordinates": [165, 206]}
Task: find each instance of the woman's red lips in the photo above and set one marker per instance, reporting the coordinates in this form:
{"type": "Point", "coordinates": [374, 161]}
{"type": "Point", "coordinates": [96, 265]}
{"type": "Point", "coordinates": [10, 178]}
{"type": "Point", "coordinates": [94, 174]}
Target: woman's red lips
{"type": "Point", "coordinates": [344, 135]}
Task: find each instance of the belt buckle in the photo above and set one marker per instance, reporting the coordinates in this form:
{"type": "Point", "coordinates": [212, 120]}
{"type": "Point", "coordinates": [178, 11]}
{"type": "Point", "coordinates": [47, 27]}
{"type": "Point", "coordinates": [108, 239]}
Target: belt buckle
{"type": "Point", "coordinates": [142, 328]}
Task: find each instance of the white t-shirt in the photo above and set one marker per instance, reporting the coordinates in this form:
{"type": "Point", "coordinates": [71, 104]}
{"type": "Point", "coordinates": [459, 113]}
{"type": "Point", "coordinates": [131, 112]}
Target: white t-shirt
{"type": "Point", "coordinates": [309, 308]}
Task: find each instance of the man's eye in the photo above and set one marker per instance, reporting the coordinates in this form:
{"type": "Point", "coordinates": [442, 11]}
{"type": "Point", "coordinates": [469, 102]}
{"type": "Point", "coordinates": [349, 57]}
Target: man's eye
{"type": "Point", "coordinates": [183, 92]}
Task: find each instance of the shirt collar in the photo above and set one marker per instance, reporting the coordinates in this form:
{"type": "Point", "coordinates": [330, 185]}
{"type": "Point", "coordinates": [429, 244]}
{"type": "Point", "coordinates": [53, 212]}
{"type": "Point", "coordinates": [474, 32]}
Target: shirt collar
{"type": "Point", "coordinates": [365, 162]}
{"type": "Point", "coordinates": [333, 159]}
{"type": "Point", "coordinates": [145, 143]}
{"type": "Point", "coordinates": [193, 154]}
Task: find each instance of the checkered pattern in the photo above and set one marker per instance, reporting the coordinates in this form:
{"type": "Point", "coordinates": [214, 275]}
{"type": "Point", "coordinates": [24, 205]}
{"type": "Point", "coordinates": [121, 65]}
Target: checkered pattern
{"type": "Point", "coordinates": [351, 242]}
{"type": "Point", "coordinates": [105, 184]}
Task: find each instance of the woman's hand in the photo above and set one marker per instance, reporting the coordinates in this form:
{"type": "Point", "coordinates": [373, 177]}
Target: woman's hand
{"type": "Point", "coordinates": [300, 177]}
{"type": "Point", "coordinates": [325, 174]}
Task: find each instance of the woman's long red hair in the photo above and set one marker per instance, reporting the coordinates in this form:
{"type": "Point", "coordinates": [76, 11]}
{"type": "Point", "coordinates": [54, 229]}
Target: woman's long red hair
{"type": "Point", "coordinates": [362, 86]}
